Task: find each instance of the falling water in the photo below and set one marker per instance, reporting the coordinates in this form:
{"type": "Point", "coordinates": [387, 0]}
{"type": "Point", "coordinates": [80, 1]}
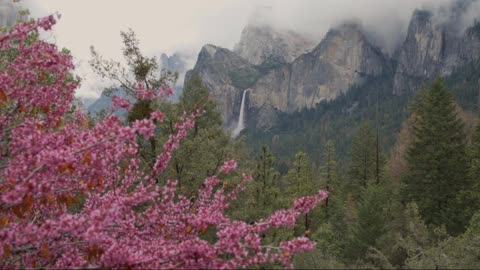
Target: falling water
{"type": "Point", "coordinates": [241, 116]}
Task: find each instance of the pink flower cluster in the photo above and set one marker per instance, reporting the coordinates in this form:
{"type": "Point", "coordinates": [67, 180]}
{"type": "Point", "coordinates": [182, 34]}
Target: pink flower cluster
{"type": "Point", "coordinates": [120, 103]}
{"type": "Point", "coordinates": [229, 166]}
{"type": "Point", "coordinates": [143, 93]}
{"type": "Point", "coordinates": [74, 196]}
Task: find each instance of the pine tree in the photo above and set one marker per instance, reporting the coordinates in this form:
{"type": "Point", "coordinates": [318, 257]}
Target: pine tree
{"type": "Point", "coordinates": [300, 183]}
{"type": "Point", "coordinates": [261, 196]}
{"type": "Point", "coordinates": [367, 161]}
{"type": "Point", "coordinates": [329, 173]}
{"type": "Point", "coordinates": [471, 196]}
{"type": "Point", "coordinates": [371, 222]}
{"type": "Point", "coordinates": [437, 166]}
{"type": "Point", "coordinates": [205, 148]}
{"type": "Point", "coordinates": [266, 179]}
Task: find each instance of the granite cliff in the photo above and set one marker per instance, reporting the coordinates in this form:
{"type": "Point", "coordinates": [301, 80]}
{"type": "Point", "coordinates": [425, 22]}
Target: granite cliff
{"type": "Point", "coordinates": [285, 74]}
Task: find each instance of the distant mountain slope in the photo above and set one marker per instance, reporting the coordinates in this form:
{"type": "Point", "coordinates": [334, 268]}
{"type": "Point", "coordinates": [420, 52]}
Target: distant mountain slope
{"type": "Point", "coordinates": [342, 59]}
{"type": "Point", "coordinates": [226, 74]}
{"type": "Point", "coordinates": [308, 130]}
{"type": "Point", "coordinates": [436, 44]}
{"type": "Point", "coordinates": [262, 42]}
{"type": "Point", "coordinates": [104, 103]}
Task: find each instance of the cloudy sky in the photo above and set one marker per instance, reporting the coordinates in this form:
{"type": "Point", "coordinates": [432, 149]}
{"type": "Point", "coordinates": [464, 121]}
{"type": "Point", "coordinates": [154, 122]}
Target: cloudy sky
{"type": "Point", "coordinates": [185, 25]}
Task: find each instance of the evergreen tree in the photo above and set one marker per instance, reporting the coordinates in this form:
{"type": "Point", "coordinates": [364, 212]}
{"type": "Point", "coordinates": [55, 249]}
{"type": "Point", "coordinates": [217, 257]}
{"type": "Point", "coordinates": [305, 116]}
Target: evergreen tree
{"type": "Point", "coordinates": [206, 147]}
{"type": "Point", "coordinates": [371, 222]}
{"type": "Point", "coordinates": [366, 158]}
{"type": "Point", "coordinates": [437, 166]}
{"type": "Point", "coordinates": [300, 183]}
{"type": "Point", "coordinates": [427, 248]}
{"type": "Point", "coordinates": [330, 177]}
{"type": "Point", "coordinates": [265, 178]}
{"type": "Point", "coordinates": [261, 196]}
{"type": "Point", "coordinates": [471, 196]}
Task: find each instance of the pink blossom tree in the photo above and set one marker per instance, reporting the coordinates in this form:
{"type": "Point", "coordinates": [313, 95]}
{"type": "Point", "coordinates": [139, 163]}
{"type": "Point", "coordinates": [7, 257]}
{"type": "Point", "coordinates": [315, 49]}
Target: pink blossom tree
{"type": "Point", "coordinates": [73, 196]}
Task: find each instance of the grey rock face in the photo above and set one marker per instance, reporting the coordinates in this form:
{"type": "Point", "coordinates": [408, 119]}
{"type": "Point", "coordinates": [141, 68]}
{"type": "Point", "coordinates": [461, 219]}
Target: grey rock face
{"type": "Point", "coordinates": [342, 59]}
{"type": "Point", "coordinates": [435, 45]}
{"type": "Point", "coordinates": [260, 41]}
{"type": "Point", "coordinates": [226, 75]}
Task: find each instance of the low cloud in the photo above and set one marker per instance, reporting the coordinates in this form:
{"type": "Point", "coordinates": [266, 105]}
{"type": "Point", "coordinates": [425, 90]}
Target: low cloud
{"type": "Point", "coordinates": [183, 25]}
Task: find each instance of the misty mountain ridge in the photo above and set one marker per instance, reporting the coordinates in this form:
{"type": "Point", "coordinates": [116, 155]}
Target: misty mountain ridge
{"type": "Point", "coordinates": [260, 41]}
{"type": "Point", "coordinates": [437, 41]}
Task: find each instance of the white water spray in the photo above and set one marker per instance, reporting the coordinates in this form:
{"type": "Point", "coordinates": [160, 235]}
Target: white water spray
{"type": "Point", "coordinates": [241, 116]}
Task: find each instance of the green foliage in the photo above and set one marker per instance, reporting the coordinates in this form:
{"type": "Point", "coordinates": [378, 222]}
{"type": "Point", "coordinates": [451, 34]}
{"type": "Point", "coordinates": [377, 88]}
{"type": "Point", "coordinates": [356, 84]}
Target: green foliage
{"type": "Point", "coordinates": [266, 182]}
{"type": "Point", "coordinates": [336, 120]}
{"type": "Point", "coordinates": [139, 68]}
{"type": "Point", "coordinates": [244, 78]}
{"type": "Point", "coordinates": [434, 249]}
{"type": "Point", "coordinates": [269, 64]}
{"type": "Point", "coordinates": [205, 148]}
{"type": "Point", "coordinates": [364, 166]}
{"type": "Point", "coordinates": [141, 109]}
{"type": "Point", "coordinates": [437, 167]}
{"type": "Point", "coordinates": [371, 222]}
{"type": "Point", "coordinates": [262, 195]}
{"type": "Point", "coordinates": [299, 178]}
{"type": "Point", "coordinates": [470, 198]}
{"type": "Point", "coordinates": [330, 180]}
{"type": "Point", "coordinates": [299, 181]}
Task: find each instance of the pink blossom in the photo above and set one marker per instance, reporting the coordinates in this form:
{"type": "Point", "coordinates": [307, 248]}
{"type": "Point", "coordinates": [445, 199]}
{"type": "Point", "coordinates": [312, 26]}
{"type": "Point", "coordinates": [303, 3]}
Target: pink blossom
{"type": "Point", "coordinates": [144, 127]}
{"type": "Point", "coordinates": [229, 166]}
{"type": "Point", "coordinates": [120, 103]}
{"type": "Point", "coordinates": [54, 161]}
{"type": "Point", "coordinates": [158, 116]}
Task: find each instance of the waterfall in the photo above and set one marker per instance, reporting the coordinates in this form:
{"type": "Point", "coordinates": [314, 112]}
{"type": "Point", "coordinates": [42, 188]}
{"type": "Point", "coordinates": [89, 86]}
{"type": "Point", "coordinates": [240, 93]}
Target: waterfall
{"type": "Point", "coordinates": [241, 116]}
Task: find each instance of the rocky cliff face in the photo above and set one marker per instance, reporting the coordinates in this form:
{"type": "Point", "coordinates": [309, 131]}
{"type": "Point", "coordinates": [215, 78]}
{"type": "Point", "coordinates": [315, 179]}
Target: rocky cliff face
{"type": "Point", "coordinates": [260, 42]}
{"type": "Point", "coordinates": [226, 75]}
{"type": "Point", "coordinates": [342, 59]}
{"type": "Point", "coordinates": [435, 45]}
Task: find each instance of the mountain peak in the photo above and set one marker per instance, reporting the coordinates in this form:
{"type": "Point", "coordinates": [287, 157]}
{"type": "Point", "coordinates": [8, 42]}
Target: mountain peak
{"type": "Point", "coordinates": [209, 49]}
{"type": "Point", "coordinates": [260, 41]}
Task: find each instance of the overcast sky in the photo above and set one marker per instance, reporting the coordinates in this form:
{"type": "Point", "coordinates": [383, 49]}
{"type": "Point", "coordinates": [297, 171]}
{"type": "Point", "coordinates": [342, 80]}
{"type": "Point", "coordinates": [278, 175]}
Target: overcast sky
{"type": "Point", "coordinates": [172, 25]}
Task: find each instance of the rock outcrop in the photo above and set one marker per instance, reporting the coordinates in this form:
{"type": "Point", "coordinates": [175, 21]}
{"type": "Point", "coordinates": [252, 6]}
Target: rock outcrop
{"type": "Point", "coordinates": [437, 42]}
{"type": "Point", "coordinates": [226, 75]}
{"type": "Point", "coordinates": [262, 42]}
{"type": "Point", "coordinates": [342, 59]}
{"type": "Point", "coordinates": [435, 45]}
